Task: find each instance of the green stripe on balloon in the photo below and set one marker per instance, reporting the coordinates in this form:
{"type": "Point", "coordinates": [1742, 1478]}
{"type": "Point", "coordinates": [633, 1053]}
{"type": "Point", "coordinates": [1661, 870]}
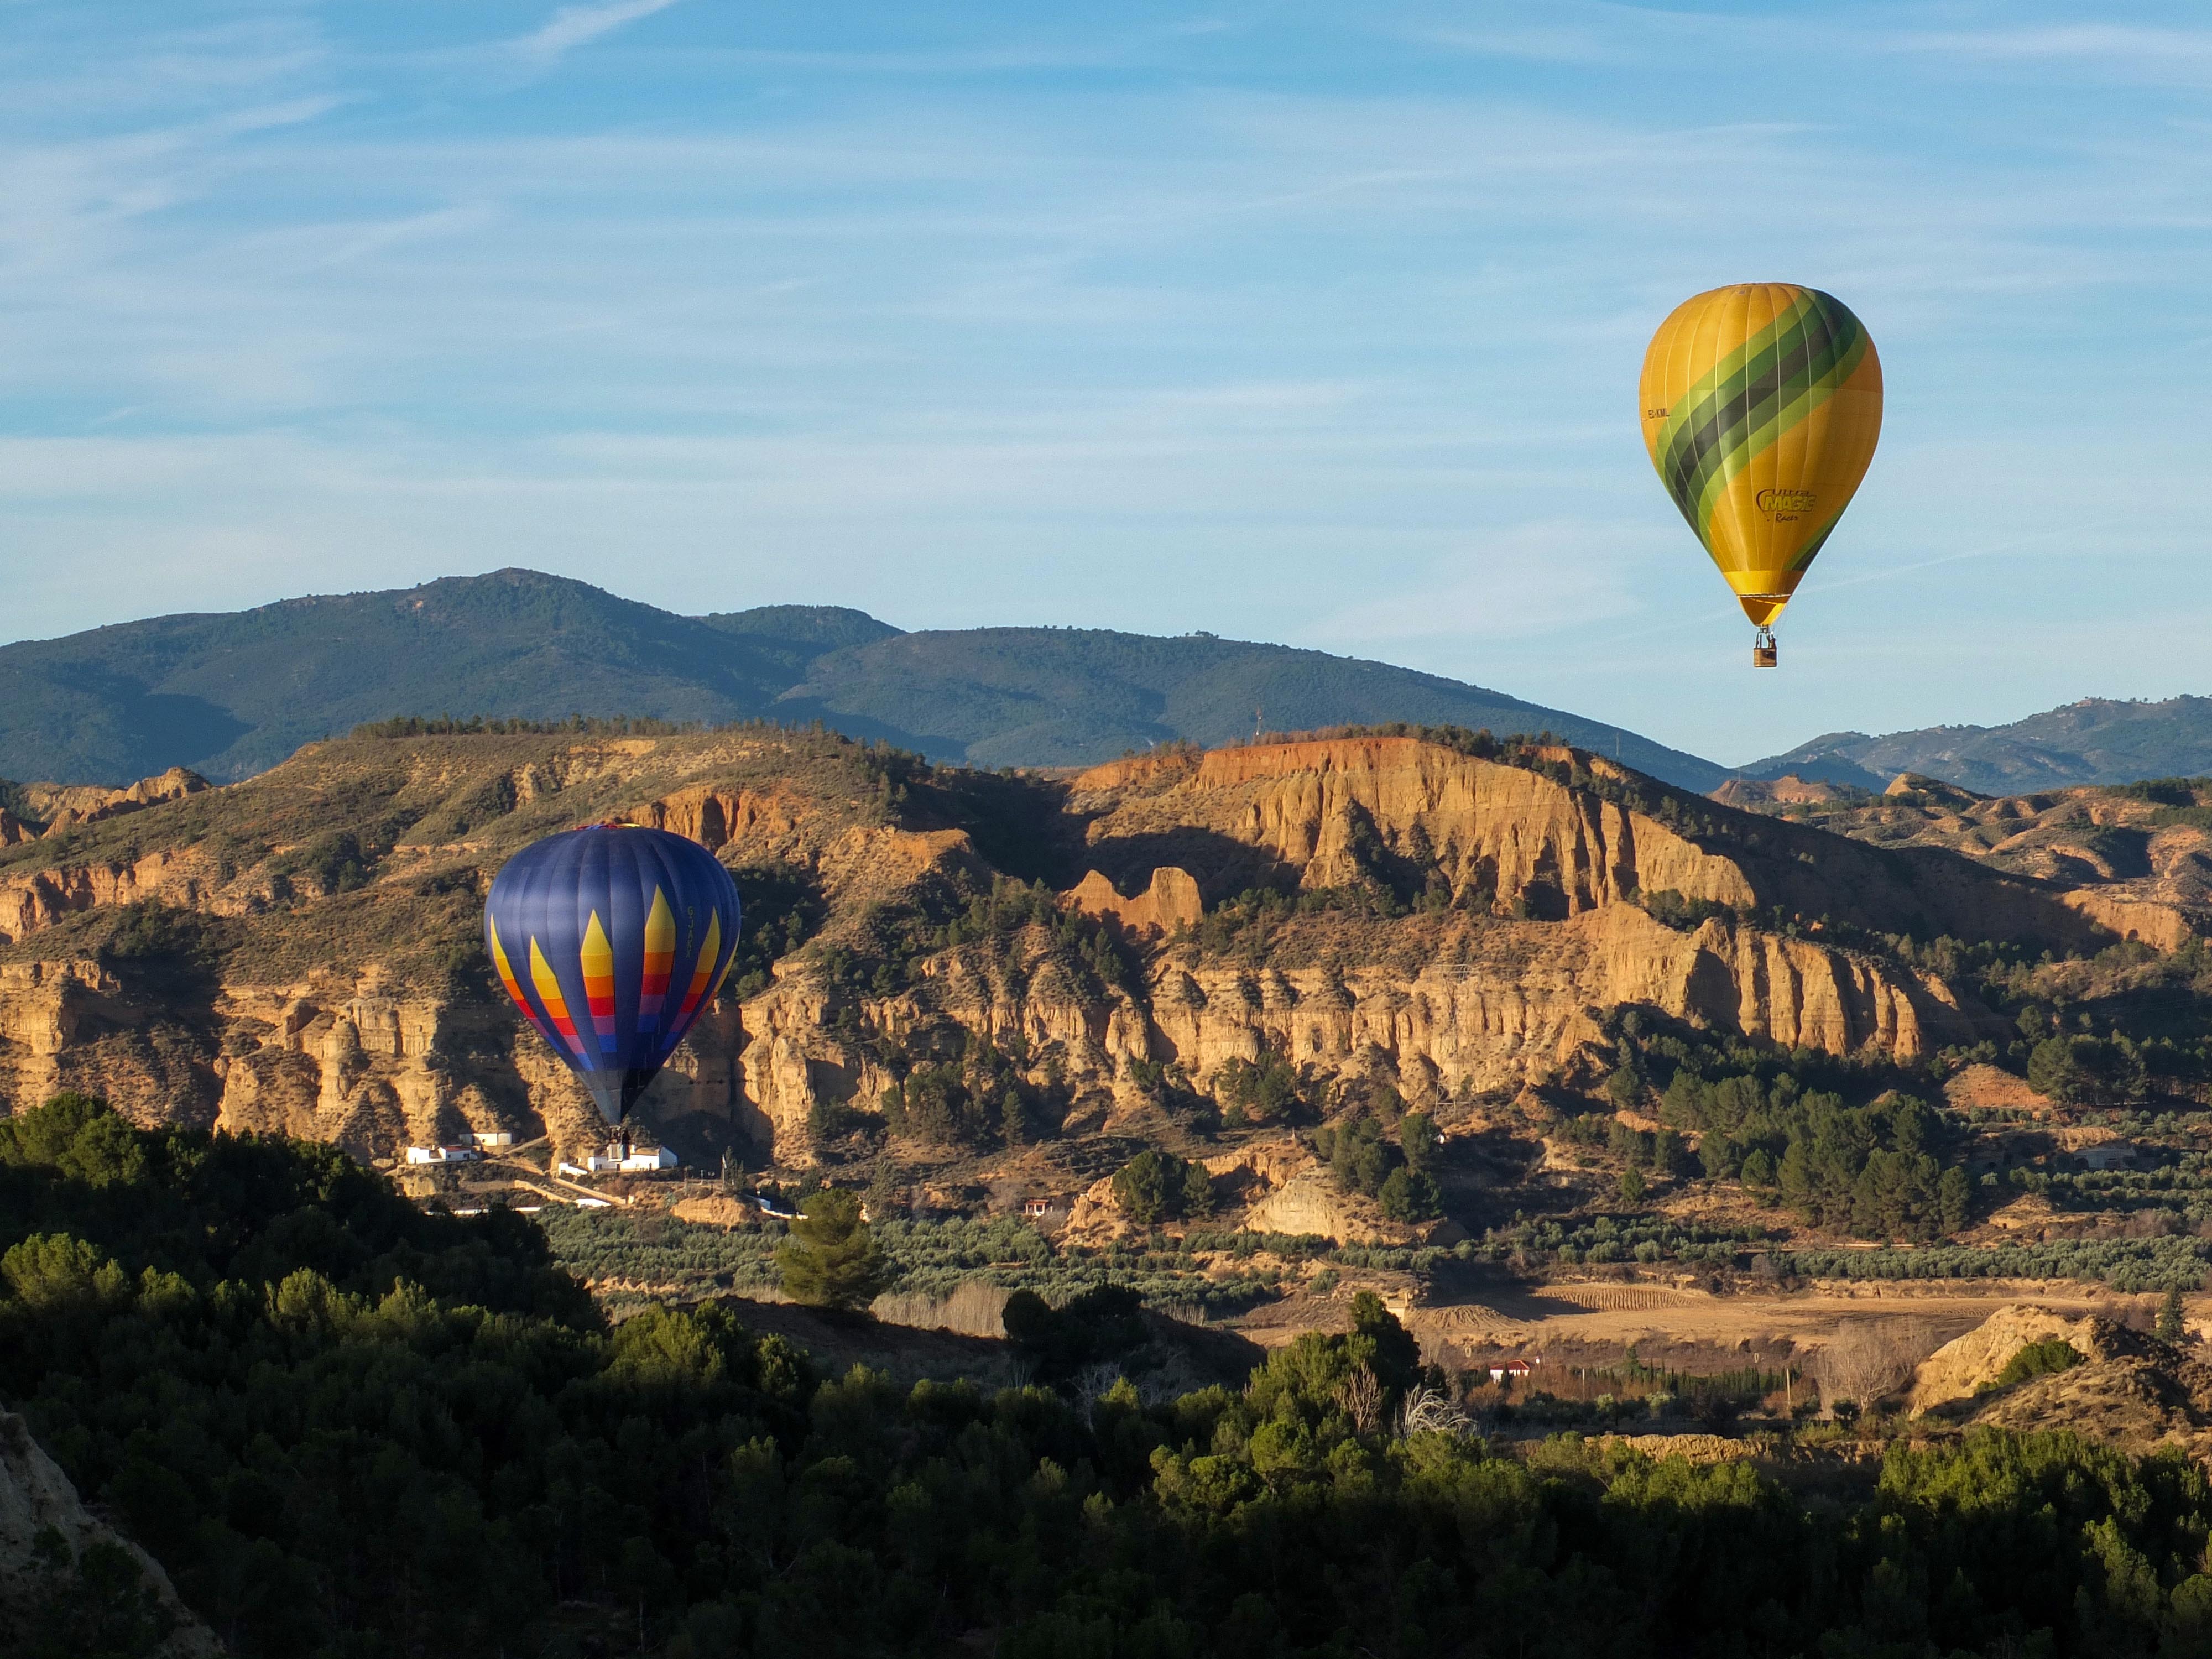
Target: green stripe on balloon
{"type": "Point", "coordinates": [1806, 376]}
{"type": "Point", "coordinates": [1741, 406]}
{"type": "Point", "coordinates": [1700, 421]}
{"type": "Point", "coordinates": [1742, 416]}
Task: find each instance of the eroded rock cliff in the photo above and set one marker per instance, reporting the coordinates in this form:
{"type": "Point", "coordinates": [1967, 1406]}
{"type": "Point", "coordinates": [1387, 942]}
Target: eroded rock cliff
{"type": "Point", "coordinates": [298, 952]}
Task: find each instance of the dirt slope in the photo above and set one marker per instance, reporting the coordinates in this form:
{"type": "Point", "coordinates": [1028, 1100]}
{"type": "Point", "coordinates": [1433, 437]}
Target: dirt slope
{"type": "Point", "coordinates": [2131, 1390]}
{"type": "Point", "coordinates": [2140, 862]}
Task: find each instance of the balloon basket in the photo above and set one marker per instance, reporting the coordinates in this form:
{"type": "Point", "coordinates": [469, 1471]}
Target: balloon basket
{"type": "Point", "coordinates": [1765, 654]}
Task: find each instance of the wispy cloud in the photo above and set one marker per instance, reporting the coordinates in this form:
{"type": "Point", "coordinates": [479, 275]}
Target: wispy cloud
{"type": "Point", "coordinates": [579, 26]}
{"type": "Point", "coordinates": [1601, 31]}
{"type": "Point", "coordinates": [2157, 51]}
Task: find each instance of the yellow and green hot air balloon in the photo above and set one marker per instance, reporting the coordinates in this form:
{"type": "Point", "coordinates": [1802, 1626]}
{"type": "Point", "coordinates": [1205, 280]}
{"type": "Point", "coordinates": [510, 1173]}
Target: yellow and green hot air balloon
{"type": "Point", "coordinates": [1761, 403]}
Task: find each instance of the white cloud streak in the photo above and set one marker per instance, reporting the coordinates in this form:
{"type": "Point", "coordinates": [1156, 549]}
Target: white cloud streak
{"type": "Point", "coordinates": [579, 26]}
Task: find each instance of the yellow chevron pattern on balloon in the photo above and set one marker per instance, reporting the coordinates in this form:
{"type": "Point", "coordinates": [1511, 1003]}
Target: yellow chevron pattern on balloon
{"type": "Point", "coordinates": [549, 992]}
{"type": "Point", "coordinates": [703, 974]}
{"type": "Point", "coordinates": [505, 970]}
{"type": "Point", "coordinates": [1761, 405]}
{"type": "Point", "coordinates": [596, 958]}
{"type": "Point", "coordinates": [660, 962]}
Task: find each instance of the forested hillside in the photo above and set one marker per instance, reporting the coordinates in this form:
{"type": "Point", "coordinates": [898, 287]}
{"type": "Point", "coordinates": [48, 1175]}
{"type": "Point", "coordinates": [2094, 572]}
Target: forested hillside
{"type": "Point", "coordinates": [229, 695]}
{"type": "Point", "coordinates": [345, 1428]}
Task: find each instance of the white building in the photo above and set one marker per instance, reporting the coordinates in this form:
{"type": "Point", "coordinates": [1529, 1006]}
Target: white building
{"type": "Point", "coordinates": [487, 1140]}
{"type": "Point", "coordinates": [630, 1160]}
{"type": "Point", "coordinates": [442, 1154]}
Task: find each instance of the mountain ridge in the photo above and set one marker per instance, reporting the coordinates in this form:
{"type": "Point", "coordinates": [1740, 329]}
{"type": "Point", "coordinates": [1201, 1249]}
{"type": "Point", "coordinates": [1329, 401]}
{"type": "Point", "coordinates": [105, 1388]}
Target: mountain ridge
{"type": "Point", "coordinates": [230, 694]}
{"type": "Point", "coordinates": [2093, 740]}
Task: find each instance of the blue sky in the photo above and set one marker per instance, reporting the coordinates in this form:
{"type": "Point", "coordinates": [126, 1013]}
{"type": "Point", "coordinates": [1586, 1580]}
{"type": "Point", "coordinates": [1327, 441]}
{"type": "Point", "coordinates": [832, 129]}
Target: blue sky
{"type": "Point", "coordinates": [1318, 324]}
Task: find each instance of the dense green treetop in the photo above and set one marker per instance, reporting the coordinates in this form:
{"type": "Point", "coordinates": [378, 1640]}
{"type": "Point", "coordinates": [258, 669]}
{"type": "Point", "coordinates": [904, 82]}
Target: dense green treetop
{"type": "Point", "coordinates": [328, 1464]}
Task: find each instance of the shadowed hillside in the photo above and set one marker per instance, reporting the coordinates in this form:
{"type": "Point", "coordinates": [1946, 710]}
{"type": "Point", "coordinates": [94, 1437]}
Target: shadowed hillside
{"type": "Point", "coordinates": [228, 695]}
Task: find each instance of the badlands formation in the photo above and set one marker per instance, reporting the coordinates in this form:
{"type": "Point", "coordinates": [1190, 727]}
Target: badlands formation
{"type": "Point", "coordinates": [298, 952]}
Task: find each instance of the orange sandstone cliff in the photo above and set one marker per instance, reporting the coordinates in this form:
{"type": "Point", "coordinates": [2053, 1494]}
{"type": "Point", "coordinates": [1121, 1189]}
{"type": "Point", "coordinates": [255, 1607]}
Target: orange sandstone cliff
{"type": "Point", "coordinates": [298, 952]}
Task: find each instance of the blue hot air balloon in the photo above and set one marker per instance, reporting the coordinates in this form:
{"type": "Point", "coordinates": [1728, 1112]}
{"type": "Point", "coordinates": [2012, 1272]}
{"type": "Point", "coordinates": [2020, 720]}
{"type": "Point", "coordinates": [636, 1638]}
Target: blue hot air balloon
{"type": "Point", "coordinates": [611, 939]}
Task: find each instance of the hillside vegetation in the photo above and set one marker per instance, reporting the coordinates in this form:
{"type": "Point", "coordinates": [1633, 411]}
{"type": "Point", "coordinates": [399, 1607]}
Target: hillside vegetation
{"type": "Point", "coordinates": [334, 1448]}
{"type": "Point", "coordinates": [229, 695]}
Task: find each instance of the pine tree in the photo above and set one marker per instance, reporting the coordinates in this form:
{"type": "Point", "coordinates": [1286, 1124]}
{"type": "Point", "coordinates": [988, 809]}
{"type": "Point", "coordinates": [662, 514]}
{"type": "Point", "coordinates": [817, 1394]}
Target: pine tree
{"type": "Point", "coordinates": [2172, 1326]}
{"type": "Point", "coordinates": [883, 1191]}
{"type": "Point", "coordinates": [1954, 1199]}
{"type": "Point", "coordinates": [831, 1261]}
{"type": "Point", "coordinates": [1197, 1191]}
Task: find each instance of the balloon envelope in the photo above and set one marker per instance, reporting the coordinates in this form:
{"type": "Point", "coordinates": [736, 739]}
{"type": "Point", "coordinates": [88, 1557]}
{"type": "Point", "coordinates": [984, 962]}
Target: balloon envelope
{"type": "Point", "coordinates": [1761, 405]}
{"type": "Point", "coordinates": [611, 939]}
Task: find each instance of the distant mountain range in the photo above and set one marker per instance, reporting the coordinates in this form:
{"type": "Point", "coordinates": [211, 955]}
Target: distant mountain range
{"type": "Point", "coordinates": [2096, 740]}
{"type": "Point", "coordinates": [230, 694]}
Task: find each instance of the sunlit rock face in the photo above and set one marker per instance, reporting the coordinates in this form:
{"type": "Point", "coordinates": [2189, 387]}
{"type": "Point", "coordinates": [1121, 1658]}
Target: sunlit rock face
{"type": "Point", "coordinates": [299, 953]}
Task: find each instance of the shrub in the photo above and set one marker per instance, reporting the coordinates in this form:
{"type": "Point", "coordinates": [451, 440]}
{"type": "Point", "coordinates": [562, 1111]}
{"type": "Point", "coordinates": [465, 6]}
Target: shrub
{"type": "Point", "coordinates": [1265, 1092]}
{"type": "Point", "coordinates": [1099, 1325]}
{"type": "Point", "coordinates": [2085, 1071]}
{"type": "Point", "coordinates": [1360, 1155]}
{"type": "Point", "coordinates": [2037, 1360]}
{"type": "Point", "coordinates": [1672, 910]}
{"type": "Point", "coordinates": [830, 1121]}
{"type": "Point", "coordinates": [1408, 1195]}
{"type": "Point", "coordinates": [1419, 1139]}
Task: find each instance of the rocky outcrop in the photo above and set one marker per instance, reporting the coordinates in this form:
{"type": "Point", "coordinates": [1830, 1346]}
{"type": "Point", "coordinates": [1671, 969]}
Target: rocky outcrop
{"type": "Point", "coordinates": [1325, 808]}
{"type": "Point", "coordinates": [1521, 841]}
{"type": "Point", "coordinates": [1966, 1364]}
{"type": "Point", "coordinates": [2125, 866]}
{"type": "Point", "coordinates": [1983, 1087]}
{"type": "Point", "coordinates": [44, 898]}
{"type": "Point", "coordinates": [45, 1530]}
{"type": "Point", "coordinates": [715, 818]}
{"type": "Point", "coordinates": [1310, 1205]}
{"type": "Point", "coordinates": [716, 1210]}
{"type": "Point", "coordinates": [61, 807]}
{"type": "Point", "coordinates": [1171, 902]}
{"type": "Point", "coordinates": [2162, 927]}
{"type": "Point", "coordinates": [1789, 790]}
{"type": "Point", "coordinates": [1281, 1188]}
{"type": "Point", "coordinates": [2130, 1390]}
{"type": "Point", "coordinates": [1519, 1011]}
